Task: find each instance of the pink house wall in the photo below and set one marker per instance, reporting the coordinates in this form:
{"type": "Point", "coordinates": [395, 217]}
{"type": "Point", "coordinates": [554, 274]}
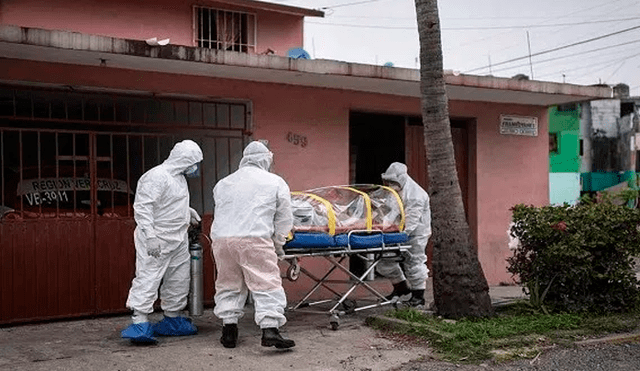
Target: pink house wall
{"type": "Point", "coordinates": [509, 169]}
{"type": "Point", "coordinates": [279, 32]}
{"type": "Point", "coordinates": [140, 20]}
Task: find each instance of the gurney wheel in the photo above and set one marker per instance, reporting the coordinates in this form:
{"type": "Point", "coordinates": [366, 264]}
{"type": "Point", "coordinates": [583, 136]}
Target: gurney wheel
{"type": "Point", "coordinates": [349, 306]}
{"type": "Point", "coordinates": [293, 273]}
{"type": "Point", "coordinates": [334, 322]}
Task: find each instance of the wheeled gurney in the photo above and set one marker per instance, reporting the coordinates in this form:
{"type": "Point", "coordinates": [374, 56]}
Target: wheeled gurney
{"type": "Point", "coordinates": [337, 256]}
{"type": "Point", "coordinates": [338, 223]}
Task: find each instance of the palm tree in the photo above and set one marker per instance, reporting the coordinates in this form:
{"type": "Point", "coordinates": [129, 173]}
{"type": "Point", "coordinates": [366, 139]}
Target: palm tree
{"type": "Point", "coordinates": [460, 288]}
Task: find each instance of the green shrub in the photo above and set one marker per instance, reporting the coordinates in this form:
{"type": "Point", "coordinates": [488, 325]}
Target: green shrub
{"type": "Point", "coordinates": [577, 258]}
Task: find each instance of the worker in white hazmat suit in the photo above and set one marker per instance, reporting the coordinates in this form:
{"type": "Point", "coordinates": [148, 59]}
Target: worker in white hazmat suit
{"type": "Point", "coordinates": [409, 277]}
{"type": "Point", "coordinates": [162, 214]}
{"type": "Point", "coordinates": [252, 218]}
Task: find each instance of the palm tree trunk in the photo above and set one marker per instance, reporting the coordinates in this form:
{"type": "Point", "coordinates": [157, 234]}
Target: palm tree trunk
{"type": "Point", "coordinates": [460, 288]}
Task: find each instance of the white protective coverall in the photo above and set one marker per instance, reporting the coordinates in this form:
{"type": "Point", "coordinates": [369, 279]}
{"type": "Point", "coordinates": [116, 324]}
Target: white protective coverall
{"type": "Point", "coordinates": [162, 214]}
{"type": "Point", "coordinates": [417, 226]}
{"type": "Point", "coordinates": [252, 218]}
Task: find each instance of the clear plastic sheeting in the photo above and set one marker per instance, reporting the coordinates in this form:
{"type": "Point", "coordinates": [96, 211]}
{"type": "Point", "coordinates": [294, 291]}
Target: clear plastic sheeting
{"type": "Point", "coordinates": [340, 209]}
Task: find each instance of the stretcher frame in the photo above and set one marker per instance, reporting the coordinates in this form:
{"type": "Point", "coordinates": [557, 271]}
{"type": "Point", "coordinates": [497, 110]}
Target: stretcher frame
{"type": "Point", "coordinates": [336, 256]}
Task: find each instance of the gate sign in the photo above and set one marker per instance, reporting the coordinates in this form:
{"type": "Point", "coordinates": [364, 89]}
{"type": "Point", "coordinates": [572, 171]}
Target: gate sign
{"type": "Point", "coordinates": [518, 125]}
{"type": "Point", "coordinates": [70, 184]}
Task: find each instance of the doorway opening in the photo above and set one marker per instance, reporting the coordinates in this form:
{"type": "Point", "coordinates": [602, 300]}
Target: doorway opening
{"type": "Point", "coordinates": [376, 140]}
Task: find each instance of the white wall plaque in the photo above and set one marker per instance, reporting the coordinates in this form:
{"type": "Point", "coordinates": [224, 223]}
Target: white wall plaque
{"type": "Point", "coordinates": [518, 125]}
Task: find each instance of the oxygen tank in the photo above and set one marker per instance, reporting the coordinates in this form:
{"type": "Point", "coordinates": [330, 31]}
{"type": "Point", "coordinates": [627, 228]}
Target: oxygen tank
{"type": "Point", "coordinates": [196, 290]}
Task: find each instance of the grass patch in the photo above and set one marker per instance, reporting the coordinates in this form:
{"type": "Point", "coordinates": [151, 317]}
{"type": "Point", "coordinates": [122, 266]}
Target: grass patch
{"type": "Point", "coordinates": [516, 331]}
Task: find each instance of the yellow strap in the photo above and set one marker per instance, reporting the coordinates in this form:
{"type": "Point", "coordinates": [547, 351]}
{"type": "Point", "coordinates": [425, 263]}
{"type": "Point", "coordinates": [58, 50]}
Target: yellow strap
{"type": "Point", "coordinates": [330, 213]}
{"type": "Point", "coordinates": [393, 191]}
{"type": "Point", "coordinates": [367, 202]}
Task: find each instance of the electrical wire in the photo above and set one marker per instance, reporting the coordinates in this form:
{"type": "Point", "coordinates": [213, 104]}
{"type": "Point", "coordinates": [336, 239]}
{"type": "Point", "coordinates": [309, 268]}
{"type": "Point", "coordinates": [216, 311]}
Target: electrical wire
{"type": "Point", "coordinates": [591, 73]}
{"type": "Point", "coordinates": [538, 25]}
{"type": "Point", "coordinates": [595, 31]}
{"type": "Point", "coordinates": [567, 56]}
{"type": "Point", "coordinates": [607, 64]}
{"type": "Point", "coordinates": [348, 4]}
{"type": "Point", "coordinates": [616, 70]}
{"type": "Point", "coordinates": [363, 26]}
{"type": "Point", "coordinates": [569, 71]}
{"type": "Point", "coordinates": [564, 16]}
{"type": "Point", "coordinates": [445, 20]}
{"type": "Point", "coordinates": [557, 48]}
{"type": "Point", "coordinates": [474, 28]}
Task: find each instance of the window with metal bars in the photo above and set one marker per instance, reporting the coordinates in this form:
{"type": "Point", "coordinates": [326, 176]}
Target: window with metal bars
{"type": "Point", "coordinates": [225, 30]}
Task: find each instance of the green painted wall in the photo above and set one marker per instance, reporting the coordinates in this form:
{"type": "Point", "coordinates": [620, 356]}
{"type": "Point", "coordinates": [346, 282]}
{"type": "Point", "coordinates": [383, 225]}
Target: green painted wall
{"type": "Point", "coordinates": [597, 181]}
{"type": "Point", "coordinates": [566, 126]}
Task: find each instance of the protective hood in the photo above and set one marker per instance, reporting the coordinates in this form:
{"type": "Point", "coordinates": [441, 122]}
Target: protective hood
{"type": "Point", "coordinates": [397, 172]}
{"type": "Point", "coordinates": [183, 155]}
{"type": "Point", "coordinates": [258, 155]}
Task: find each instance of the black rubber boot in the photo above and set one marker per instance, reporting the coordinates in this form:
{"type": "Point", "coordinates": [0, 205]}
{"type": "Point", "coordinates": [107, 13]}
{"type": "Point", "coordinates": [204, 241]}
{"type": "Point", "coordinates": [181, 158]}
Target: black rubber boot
{"type": "Point", "coordinates": [417, 298]}
{"type": "Point", "coordinates": [271, 338]}
{"type": "Point", "coordinates": [399, 290]}
{"type": "Point", "coordinates": [229, 337]}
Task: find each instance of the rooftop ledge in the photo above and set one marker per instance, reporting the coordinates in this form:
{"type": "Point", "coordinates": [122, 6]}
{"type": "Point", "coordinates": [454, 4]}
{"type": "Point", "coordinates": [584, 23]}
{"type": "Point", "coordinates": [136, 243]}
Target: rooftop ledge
{"type": "Point", "coordinates": [82, 49]}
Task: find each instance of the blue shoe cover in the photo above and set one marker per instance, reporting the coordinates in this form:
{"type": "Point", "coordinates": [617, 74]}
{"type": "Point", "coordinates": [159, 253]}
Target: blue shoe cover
{"type": "Point", "coordinates": [174, 326]}
{"type": "Point", "coordinates": [139, 333]}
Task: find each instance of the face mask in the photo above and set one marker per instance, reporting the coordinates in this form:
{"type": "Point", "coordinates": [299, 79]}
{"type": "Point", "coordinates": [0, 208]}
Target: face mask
{"type": "Point", "coordinates": [192, 171]}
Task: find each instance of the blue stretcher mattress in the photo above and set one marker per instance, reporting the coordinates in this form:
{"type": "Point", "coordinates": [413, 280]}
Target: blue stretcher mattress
{"type": "Point", "coordinates": [304, 240]}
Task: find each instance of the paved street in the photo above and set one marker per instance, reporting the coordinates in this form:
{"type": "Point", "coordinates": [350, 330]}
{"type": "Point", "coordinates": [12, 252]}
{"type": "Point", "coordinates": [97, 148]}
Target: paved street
{"type": "Point", "coordinates": [95, 344]}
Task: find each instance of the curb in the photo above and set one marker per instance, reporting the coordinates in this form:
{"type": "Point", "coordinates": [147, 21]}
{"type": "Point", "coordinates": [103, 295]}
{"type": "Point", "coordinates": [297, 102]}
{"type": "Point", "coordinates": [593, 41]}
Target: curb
{"type": "Point", "coordinates": [613, 339]}
{"type": "Point", "coordinates": [389, 323]}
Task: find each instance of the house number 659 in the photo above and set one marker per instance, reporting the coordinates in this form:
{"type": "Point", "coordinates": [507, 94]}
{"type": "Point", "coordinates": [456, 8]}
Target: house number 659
{"type": "Point", "coordinates": [297, 140]}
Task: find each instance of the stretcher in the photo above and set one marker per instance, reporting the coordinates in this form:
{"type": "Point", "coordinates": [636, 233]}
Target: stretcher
{"type": "Point", "coordinates": [369, 245]}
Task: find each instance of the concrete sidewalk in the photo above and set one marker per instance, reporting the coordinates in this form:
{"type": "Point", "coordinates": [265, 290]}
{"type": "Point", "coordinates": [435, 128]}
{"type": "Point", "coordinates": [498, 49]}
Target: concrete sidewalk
{"type": "Point", "coordinates": [95, 344]}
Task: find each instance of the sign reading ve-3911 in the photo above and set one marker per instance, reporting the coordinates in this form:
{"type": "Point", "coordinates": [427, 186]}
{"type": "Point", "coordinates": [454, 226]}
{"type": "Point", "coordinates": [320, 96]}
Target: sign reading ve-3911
{"type": "Point", "coordinates": [519, 125]}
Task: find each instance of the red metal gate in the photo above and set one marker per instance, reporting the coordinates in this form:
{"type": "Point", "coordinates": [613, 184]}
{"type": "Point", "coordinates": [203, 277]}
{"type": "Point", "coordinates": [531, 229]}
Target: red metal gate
{"type": "Point", "coordinates": [66, 227]}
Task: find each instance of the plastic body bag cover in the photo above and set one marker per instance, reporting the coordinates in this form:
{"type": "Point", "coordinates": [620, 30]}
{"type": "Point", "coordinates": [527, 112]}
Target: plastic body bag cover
{"type": "Point", "coordinates": [340, 209]}
{"type": "Point", "coordinates": [175, 326]}
{"type": "Point", "coordinates": [139, 333]}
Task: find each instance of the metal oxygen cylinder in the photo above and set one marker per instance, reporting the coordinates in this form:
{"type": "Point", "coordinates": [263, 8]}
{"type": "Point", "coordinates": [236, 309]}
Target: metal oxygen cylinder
{"type": "Point", "coordinates": [196, 290]}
